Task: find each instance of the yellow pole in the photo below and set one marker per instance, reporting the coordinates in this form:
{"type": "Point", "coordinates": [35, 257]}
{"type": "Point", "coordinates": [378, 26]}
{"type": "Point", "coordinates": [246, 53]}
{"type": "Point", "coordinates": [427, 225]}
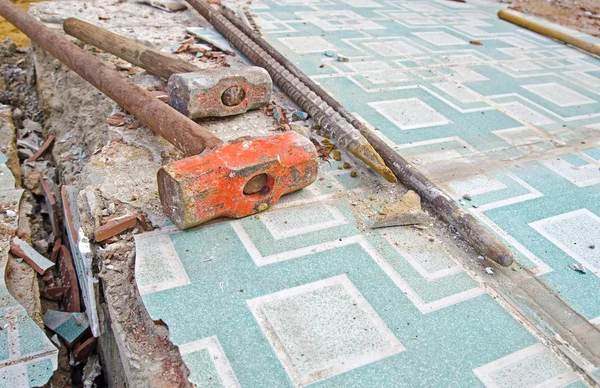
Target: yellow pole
{"type": "Point", "coordinates": [550, 32]}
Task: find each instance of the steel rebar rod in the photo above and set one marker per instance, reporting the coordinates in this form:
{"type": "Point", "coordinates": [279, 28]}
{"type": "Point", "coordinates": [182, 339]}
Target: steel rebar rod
{"type": "Point", "coordinates": [331, 122]}
{"type": "Point", "coordinates": [480, 238]}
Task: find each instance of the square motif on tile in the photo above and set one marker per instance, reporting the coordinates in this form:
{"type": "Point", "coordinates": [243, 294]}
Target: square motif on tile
{"type": "Point", "coordinates": [533, 366]}
{"type": "Point", "coordinates": [574, 233]}
{"type": "Point", "coordinates": [440, 38]}
{"type": "Point", "coordinates": [525, 113]}
{"type": "Point", "coordinates": [409, 113]}
{"type": "Point", "coordinates": [307, 44]}
{"type": "Point", "coordinates": [323, 329]}
{"type": "Point", "coordinates": [305, 219]}
{"type": "Point", "coordinates": [558, 94]}
{"type": "Point", "coordinates": [155, 250]}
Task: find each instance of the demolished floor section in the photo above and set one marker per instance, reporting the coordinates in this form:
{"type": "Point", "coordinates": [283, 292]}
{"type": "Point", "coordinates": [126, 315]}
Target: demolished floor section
{"type": "Point", "coordinates": [306, 293]}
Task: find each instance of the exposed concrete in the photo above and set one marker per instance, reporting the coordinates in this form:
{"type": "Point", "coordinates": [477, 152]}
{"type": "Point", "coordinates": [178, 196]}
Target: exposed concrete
{"type": "Point", "coordinates": [115, 169]}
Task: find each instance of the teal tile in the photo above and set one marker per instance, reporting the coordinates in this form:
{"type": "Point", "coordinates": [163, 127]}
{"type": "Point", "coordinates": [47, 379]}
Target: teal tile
{"type": "Point", "coordinates": [202, 369]}
{"type": "Point", "coordinates": [303, 294]}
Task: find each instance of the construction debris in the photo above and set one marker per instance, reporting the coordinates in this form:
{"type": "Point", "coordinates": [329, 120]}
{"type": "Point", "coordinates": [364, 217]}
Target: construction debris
{"type": "Point", "coordinates": [211, 37]}
{"type": "Point", "coordinates": [115, 226]}
{"type": "Point", "coordinates": [69, 326]}
{"type": "Point", "coordinates": [406, 211]}
{"type": "Point", "coordinates": [578, 267]}
{"type": "Point", "coordinates": [342, 58]}
{"type": "Point", "coordinates": [50, 207]}
{"type": "Point", "coordinates": [42, 150]}
{"type": "Point", "coordinates": [26, 252]}
{"type": "Point", "coordinates": [166, 5]}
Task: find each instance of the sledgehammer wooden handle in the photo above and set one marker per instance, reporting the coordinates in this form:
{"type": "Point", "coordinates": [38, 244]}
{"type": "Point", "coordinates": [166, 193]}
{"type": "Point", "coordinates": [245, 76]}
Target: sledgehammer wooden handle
{"type": "Point", "coordinates": [155, 62]}
{"type": "Point", "coordinates": [182, 132]}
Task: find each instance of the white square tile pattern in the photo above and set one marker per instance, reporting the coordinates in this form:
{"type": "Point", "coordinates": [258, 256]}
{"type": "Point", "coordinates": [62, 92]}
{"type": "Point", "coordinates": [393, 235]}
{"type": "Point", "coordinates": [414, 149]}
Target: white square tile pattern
{"type": "Point", "coordinates": [440, 38]}
{"type": "Point", "coordinates": [559, 94]}
{"type": "Point", "coordinates": [323, 329]}
{"type": "Point", "coordinates": [307, 44]}
{"type": "Point", "coordinates": [574, 233]}
{"type": "Point", "coordinates": [306, 219]}
{"type": "Point", "coordinates": [156, 247]}
{"type": "Point", "coordinates": [533, 366]}
{"type": "Point", "coordinates": [525, 113]}
{"type": "Point", "coordinates": [409, 113]}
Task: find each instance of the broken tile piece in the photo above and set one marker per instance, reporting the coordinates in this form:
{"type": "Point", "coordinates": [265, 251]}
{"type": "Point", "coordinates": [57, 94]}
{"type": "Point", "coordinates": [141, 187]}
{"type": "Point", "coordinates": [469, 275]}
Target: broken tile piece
{"type": "Point", "coordinates": [578, 267]}
{"type": "Point", "coordinates": [299, 115]}
{"type": "Point", "coordinates": [42, 149]}
{"type": "Point", "coordinates": [26, 252]}
{"type": "Point", "coordinates": [166, 5]}
{"type": "Point", "coordinates": [54, 293]}
{"type": "Point", "coordinates": [278, 114]}
{"type": "Point", "coordinates": [70, 302]}
{"type": "Point", "coordinates": [211, 37]}
{"type": "Point", "coordinates": [69, 326]}
{"type": "Point", "coordinates": [55, 250]}
{"type": "Point", "coordinates": [114, 227]}
{"type": "Point", "coordinates": [83, 351]}
{"type": "Point", "coordinates": [82, 258]}
{"type": "Point", "coordinates": [50, 206]}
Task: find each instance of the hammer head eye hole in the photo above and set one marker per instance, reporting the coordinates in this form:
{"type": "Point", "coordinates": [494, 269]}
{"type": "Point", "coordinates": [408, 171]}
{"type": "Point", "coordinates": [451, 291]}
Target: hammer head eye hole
{"type": "Point", "coordinates": [258, 185]}
{"type": "Point", "coordinates": [233, 96]}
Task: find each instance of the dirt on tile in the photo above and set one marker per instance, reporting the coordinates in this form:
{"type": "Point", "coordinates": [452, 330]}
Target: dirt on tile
{"type": "Point", "coordinates": [581, 15]}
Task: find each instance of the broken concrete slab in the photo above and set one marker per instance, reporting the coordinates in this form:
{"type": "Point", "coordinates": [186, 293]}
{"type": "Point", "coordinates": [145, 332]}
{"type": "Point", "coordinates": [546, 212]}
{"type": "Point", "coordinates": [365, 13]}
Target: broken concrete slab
{"type": "Point", "coordinates": [69, 326]}
{"type": "Point", "coordinates": [25, 251]}
{"type": "Point", "coordinates": [8, 143]}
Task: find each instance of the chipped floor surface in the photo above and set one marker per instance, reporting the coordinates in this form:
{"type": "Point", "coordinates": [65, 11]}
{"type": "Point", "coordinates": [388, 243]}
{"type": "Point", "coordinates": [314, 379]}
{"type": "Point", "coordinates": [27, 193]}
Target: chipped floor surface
{"type": "Point", "coordinates": [27, 357]}
{"type": "Point", "coordinates": [307, 294]}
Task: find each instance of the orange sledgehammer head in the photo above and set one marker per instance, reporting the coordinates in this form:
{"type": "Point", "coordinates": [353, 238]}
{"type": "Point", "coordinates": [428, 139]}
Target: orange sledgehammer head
{"type": "Point", "coordinates": [217, 183]}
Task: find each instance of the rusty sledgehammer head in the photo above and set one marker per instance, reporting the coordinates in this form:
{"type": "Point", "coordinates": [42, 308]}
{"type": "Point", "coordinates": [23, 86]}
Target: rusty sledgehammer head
{"type": "Point", "coordinates": [237, 178]}
{"type": "Point", "coordinates": [219, 92]}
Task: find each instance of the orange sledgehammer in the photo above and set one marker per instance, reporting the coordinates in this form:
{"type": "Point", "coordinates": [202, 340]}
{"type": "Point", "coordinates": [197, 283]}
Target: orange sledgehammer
{"type": "Point", "coordinates": [232, 179]}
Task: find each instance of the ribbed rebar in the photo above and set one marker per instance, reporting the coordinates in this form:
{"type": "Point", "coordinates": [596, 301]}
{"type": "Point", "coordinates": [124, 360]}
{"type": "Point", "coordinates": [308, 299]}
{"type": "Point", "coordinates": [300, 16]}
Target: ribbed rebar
{"type": "Point", "coordinates": [330, 121]}
{"type": "Point", "coordinates": [470, 229]}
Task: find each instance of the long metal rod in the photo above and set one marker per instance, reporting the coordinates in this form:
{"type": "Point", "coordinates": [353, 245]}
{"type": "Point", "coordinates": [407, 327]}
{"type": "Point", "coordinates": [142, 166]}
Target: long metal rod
{"type": "Point", "coordinates": [520, 21]}
{"type": "Point", "coordinates": [331, 122]}
{"type": "Point", "coordinates": [182, 132]}
{"type": "Point", "coordinates": [480, 238]}
{"type": "Point", "coordinates": [153, 61]}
